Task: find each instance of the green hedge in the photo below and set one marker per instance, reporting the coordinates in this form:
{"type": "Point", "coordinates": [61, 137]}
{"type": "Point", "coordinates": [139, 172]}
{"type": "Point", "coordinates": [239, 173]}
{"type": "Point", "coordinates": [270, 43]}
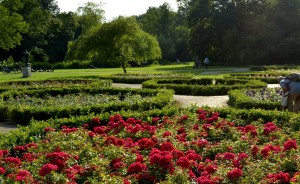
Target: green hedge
{"type": "Point", "coordinates": [268, 77]}
{"type": "Point", "coordinates": [23, 114]}
{"type": "Point", "coordinates": [203, 87]}
{"type": "Point", "coordinates": [35, 129]}
{"type": "Point", "coordinates": [272, 67]}
{"type": "Point", "coordinates": [245, 116]}
{"type": "Point", "coordinates": [139, 78]}
{"type": "Point", "coordinates": [238, 99]}
{"type": "Point", "coordinates": [242, 117]}
{"type": "Point", "coordinates": [57, 83]}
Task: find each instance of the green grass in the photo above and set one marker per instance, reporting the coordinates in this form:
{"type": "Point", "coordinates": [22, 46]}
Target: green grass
{"type": "Point", "coordinates": [94, 73]}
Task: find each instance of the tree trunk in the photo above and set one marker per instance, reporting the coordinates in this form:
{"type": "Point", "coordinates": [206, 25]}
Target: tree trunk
{"type": "Point", "coordinates": [124, 68]}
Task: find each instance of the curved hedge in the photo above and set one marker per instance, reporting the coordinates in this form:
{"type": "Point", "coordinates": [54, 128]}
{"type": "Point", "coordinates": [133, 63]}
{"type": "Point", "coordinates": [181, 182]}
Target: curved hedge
{"type": "Point", "coordinates": [204, 87]}
{"type": "Point", "coordinates": [22, 115]}
{"type": "Point", "coordinates": [139, 78]}
{"type": "Point", "coordinates": [245, 116]}
{"type": "Point", "coordinates": [238, 99]}
{"type": "Point", "coordinates": [268, 77]}
{"type": "Point", "coordinates": [57, 83]}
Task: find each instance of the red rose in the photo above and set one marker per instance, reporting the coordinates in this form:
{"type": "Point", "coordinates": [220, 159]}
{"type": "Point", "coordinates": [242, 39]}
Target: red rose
{"type": "Point", "coordinates": [47, 168]}
{"type": "Point", "coordinates": [183, 162]}
{"type": "Point", "coordinates": [136, 167]}
{"type": "Point", "coordinates": [290, 144]}
{"type": "Point", "coordinates": [234, 174]}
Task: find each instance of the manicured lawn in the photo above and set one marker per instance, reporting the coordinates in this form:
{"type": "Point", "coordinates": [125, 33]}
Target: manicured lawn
{"type": "Point", "coordinates": [94, 73]}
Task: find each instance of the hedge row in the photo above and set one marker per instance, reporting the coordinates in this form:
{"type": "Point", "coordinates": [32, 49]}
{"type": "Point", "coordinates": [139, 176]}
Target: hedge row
{"type": "Point", "coordinates": [139, 78]}
{"type": "Point", "coordinates": [245, 116]}
{"type": "Point", "coordinates": [203, 87]}
{"type": "Point", "coordinates": [268, 77]}
{"type": "Point", "coordinates": [271, 67]}
{"type": "Point", "coordinates": [238, 99]}
{"type": "Point", "coordinates": [242, 117]}
{"type": "Point", "coordinates": [57, 83]}
{"type": "Point", "coordinates": [36, 128]}
{"type": "Point", "coordinates": [22, 115]}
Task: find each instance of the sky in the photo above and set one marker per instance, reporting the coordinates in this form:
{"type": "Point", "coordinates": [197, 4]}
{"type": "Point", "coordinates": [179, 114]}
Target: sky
{"type": "Point", "coordinates": [115, 8]}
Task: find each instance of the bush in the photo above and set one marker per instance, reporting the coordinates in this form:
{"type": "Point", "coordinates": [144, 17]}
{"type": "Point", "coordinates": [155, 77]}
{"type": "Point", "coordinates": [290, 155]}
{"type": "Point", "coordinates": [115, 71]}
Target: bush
{"type": "Point", "coordinates": [203, 87]}
{"type": "Point", "coordinates": [21, 114]}
{"type": "Point", "coordinates": [239, 99]}
{"type": "Point", "coordinates": [139, 78]}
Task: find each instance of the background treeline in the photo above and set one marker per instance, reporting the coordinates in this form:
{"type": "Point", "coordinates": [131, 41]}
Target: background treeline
{"type": "Point", "coordinates": [229, 32]}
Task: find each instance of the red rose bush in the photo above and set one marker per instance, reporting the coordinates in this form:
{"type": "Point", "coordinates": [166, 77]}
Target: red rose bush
{"type": "Point", "coordinates": [196, 148]}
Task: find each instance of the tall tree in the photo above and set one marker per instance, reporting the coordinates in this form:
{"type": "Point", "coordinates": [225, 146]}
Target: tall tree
{"type": "Point", "coordinates": [170, 30]}
{"type": "Point", "coordinates": [90, 15]}
{"type": "Point", "coordinates": [118, 43]}
{"type": "Point", "coordinates": [12, 26]}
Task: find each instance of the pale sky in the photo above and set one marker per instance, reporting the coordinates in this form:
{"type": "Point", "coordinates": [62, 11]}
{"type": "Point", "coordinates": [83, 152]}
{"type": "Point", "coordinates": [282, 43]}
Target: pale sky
{"type": "Point", "coordinates": [114, 8]}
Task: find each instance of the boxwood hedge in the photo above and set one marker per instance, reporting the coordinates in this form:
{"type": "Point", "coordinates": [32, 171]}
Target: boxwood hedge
{"type": "Point", "coordinates": [204, 86]}
{"type": "Point", "coordinates": [23, 114]}
{"type": "Point", "coordinates": [139, 78]}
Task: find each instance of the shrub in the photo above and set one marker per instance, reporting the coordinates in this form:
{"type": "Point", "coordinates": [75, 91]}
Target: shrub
{"type": "Point", "coordinates": [204, 87]}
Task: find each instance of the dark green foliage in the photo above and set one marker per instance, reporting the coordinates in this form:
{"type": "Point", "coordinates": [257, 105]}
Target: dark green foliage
{"type": "Point", "coordinates": [238, 99]}
{"type": "Point", "coordinates": [23, 114]}
{"type": "Point", "coordinates": [36, 128]}
{"type": "Point", "coordinates": [139, 78]}
{"type": "Point", "coordinates": [203, 87]}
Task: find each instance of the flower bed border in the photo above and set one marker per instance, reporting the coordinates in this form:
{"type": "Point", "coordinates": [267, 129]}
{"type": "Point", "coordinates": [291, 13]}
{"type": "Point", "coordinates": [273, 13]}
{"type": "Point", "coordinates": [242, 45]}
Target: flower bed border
{"type": "Point", "coordinates": [204, 86]}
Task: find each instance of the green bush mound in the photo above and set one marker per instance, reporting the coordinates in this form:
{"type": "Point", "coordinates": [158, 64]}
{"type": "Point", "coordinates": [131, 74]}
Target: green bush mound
{"type": "Point", "coordinates": [239, 99]}
{"type": "Point", "coordinates": [139, 78]}
{"type": "Point", "coordinates": [36, 108]}
{"type": "Point", "coordinates": [204, 86]}
{"type": "Point", "coordinates": [57, 83]}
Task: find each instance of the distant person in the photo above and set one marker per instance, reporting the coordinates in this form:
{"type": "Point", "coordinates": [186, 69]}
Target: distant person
{"type": "Point", "coordinates": [293, 89]}
{"type": "Point", "coordinates": [206, 62]}
{"type": "Point", "coordinates": [197, 62]}
{"type": "Point", "coordinates": [178, 61]}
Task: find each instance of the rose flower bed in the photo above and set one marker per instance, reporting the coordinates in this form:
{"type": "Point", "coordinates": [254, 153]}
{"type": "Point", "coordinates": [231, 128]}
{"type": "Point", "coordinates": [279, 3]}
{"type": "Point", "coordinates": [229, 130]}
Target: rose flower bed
{"type": "Point", "coordinates": [197, 148]}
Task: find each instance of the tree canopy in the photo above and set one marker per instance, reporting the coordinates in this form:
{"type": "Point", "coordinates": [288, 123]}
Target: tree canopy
{"type": "Point", "coordinates": [12, 26]}
{"type": "Point", "coordinates": [117, 43]}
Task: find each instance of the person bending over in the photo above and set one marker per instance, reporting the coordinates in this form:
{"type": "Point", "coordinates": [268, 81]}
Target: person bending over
{"type": "Point", "coordinates": [293, 88]}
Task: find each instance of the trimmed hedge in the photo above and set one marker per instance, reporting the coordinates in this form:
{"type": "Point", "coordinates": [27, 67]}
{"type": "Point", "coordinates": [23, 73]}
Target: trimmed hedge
{"type": "Point", "coordinates": [57, 83]}
{"type": "Point", "coordinates": [139, 78]}
{"type": "Point", "coordinates": [245, 116]}
{"type": "Point", "coordinates": [238, 99]}
{"type": "Point", "coordinates": [239, 116]}
{"type": "Point", "coordinates": [268, 77]}
{"type": "Point", "coordinates": [35, 129]}
{"type": "Point", "coordinates": [203, 87]}
{"type": "Point", "coordinates": [272, 67]}
{"type": "Point", "coordinates": [22, 115]}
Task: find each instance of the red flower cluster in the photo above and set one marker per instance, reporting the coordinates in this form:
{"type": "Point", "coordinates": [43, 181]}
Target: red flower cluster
{"type": "Point", "coordinates": [281, 177]}
{"type": "Point", "coordinates": [47, 168]}
{"type": "Point", "coordinates": [234, 174]}
{"type": "Point", "coordinates": [58, 158]}
{"type": "Point", "coordinates": [136, 167]}
{"type": "Point", "coordinates": [290, 144]}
